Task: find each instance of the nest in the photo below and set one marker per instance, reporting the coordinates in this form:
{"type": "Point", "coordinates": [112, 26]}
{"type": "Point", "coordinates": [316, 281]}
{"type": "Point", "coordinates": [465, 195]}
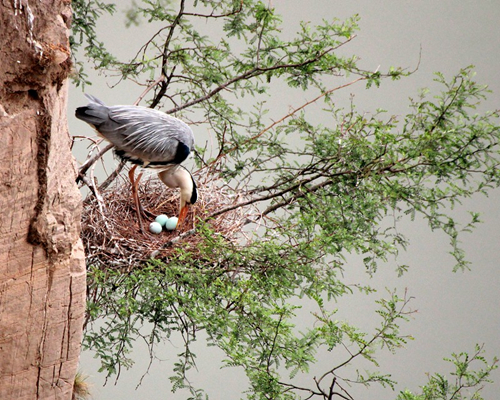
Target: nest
{"type": "Point", "coordinates": [110, 229]}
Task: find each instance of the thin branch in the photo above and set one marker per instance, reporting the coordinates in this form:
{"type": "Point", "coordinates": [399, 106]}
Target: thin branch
{"type": "Point", "coordinates": [290, 114]}
{"type": "Point", "coordinates": [158, 80]}
{"type": "Point", "coordinates": [164, 61]}
{"type": "Point", "coordinates": [276, 333]}
{"type": "Point", "coordinates": [91, 161]}
{"type": "Point", "coordinates": [112, 176]}
{"type": "Point", "coordinates": [283, 192]}
{"type": "Point", "coordinates": [295, 387]}
{"type": "Point", "coordinates": [212, 15]}
{"type": "Point", "coordinates": [251, 73]}
{"type": "Point", "coordinates": [366, 345]}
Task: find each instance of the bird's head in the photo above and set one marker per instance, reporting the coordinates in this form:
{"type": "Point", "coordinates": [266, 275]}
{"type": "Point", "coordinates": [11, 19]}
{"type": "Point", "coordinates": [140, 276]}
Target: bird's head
{"type": "Point", "coordinates": [179, 177]}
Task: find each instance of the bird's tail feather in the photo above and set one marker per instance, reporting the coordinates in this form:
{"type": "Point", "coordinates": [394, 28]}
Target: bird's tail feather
{"type": "Point", "coordinates": [94, 113]}
{"type": "Point", "coordinates": [94, 99]}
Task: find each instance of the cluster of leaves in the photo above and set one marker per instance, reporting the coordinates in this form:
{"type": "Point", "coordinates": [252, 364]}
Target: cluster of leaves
{"type": "Point", "coordinates": [243, 304]}
{"type": "Point", "coordinates": [353, 176]}
{"type": "Point", "coordinates": [467, 382]}
{"type": "Point", "coordinates": [326, 190]}
{"type": "Point", "coordinates": [86, 13]}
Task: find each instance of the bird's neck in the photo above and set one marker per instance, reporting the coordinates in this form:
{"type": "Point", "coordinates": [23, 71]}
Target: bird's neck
{"type": "Point", "coordinates": [178, 177]}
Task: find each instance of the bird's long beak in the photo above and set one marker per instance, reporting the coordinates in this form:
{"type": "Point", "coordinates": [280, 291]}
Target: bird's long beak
{"type": "Point", "coordinates": [182, 215]}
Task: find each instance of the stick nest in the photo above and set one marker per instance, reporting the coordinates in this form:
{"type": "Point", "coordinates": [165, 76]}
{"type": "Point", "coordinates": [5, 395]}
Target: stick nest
{"type": "Point", "coordinates": [110, 227]}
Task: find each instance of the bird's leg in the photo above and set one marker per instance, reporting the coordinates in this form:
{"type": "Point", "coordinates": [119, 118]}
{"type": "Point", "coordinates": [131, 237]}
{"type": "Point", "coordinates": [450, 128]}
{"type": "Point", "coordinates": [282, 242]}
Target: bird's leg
{"type": "Point", "coordinates": [135, 181]}
{"type": "Point", "coordinates": [144, 213]}
{"type": "Point", "coordinates": [135, 195]}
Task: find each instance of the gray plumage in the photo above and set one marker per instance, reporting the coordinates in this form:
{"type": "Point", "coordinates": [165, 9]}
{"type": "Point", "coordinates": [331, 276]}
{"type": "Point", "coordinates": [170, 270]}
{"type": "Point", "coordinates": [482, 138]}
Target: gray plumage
{"type": "Point", "coordinates": [141, 135]}
{"type": "Point", "coordinates": [148, 138]}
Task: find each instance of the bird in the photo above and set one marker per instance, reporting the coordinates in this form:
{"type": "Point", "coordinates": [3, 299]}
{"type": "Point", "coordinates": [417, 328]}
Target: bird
{"type": "Point", "coordinates": [148, 138]}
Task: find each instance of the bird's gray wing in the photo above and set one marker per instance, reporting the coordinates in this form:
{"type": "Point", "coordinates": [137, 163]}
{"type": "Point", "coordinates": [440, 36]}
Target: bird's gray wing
{"type": "Point", "coordinates": [140, 133]}
{"type": "Point", "coordinates": [148, 134]}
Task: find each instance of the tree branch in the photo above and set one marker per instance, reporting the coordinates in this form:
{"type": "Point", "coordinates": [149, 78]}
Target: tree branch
{"type": "Point", "coordinates": [251, 73]}
{"type": "Point", "coordinates": [91, 161]}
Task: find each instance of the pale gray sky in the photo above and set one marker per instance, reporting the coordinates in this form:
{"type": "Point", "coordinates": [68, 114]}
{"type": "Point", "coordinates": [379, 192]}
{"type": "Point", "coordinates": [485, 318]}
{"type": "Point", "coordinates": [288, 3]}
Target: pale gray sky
{"type": "Point", "coordinates": [455, 311]}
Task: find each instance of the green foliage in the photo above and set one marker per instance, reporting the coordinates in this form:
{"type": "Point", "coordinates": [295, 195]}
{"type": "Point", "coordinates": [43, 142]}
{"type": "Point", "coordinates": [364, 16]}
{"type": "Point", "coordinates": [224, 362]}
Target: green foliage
{"type": "Point", "coordinates": [249, 316]}
{"type": "Point", "coordinates": [467, 379]}
{"type": "Point", "coordinates": [85, 16]}
{"type": "Point", "coordinates": [324, 191]}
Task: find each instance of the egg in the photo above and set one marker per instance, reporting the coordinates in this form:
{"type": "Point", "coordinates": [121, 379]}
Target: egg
{"type": "Point", "coordinates": [155, 227]}
{"type": "Point", "coordinates": [171, 224]}
{"type": "Point", "coordinates": [161, 219]}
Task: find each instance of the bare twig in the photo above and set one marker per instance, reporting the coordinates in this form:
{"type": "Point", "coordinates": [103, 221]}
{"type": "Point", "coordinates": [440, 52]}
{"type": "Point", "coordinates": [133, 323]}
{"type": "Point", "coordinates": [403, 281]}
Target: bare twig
{"type": "Point", "coordinates": [164, 62]}
{"type": "Point", "coordinates": [91, 161]}
{"type": "Point", "coordinates": [110, 179]}
{"type": "Point", "coordinates": [212, 15]}
{"type": "Point", "coordinates": [158, 80]}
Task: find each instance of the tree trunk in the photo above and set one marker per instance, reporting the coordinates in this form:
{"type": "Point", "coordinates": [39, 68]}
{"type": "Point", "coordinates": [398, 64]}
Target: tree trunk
{"type": "Point", "coordinates": [42, 271]}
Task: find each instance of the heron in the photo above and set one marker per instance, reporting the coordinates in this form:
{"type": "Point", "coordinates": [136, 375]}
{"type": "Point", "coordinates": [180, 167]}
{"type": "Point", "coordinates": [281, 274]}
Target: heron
{"type": "Point", "coordinates": [148, 138]}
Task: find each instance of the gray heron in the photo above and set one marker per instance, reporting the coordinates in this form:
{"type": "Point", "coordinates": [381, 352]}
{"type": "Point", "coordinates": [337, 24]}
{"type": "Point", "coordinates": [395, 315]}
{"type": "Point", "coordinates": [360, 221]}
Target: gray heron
{"type": "Point", "coordinates": [148, 138]}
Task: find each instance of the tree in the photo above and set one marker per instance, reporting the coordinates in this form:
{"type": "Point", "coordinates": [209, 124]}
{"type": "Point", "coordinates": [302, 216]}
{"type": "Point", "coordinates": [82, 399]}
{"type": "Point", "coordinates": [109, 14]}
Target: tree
{"type": "Point", "coordinates": [324, 191]}
{"type": "Point", "coordinates": [42, 279]}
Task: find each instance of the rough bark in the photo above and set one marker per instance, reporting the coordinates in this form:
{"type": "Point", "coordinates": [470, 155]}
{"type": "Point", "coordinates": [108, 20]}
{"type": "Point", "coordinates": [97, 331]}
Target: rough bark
{"type": "Point", "coordinates": [42, 271]}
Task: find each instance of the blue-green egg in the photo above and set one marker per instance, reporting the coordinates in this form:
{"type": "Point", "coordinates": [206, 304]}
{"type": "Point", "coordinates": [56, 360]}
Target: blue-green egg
{"type": "Point", "coordinates": [161, 219]}
{"type": "Point", "coordinates": [155, 227]}
{"type": "Point", "coordinates": [171, 224]}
